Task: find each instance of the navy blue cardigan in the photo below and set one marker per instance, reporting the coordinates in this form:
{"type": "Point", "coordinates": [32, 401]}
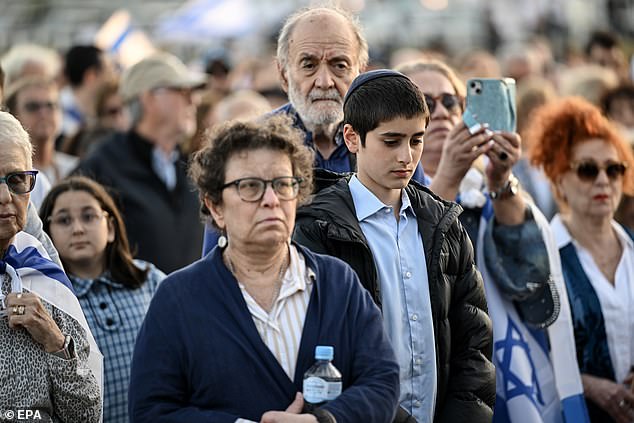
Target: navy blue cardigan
{"type": "Point", "coordinates": [200, 358]}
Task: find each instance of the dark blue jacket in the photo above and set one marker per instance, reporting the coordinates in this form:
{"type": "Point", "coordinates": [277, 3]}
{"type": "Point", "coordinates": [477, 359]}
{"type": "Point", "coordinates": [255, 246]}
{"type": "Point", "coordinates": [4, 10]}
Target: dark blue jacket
{"type": "Point", "coordinates": [163, 225]}
{"type": "Point", "coordinates": [200, 358]}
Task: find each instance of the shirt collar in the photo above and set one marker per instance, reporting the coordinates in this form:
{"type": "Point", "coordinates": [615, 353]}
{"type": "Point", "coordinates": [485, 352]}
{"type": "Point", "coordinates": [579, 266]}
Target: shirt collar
{"type": "Point", "coordinates": [160, 157]}
{"type": "Point", "coordinates": [625, 239]}
{"type": "Point", "coordinates": [82, 286]}
{"type": "Point", "coordinates": [297, 276]}
{"type": "Point", "coordinates": [563, 237]}
{"type": "Point", "coordinates": [366, 203]}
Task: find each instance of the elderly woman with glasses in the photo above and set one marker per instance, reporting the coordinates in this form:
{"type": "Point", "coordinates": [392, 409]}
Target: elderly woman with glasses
{"type": "Point", "coordinates": [49, 364]}
{"type": "Point", "coordinates": [230, 337]}
{"type": "Point", "coordinates": [590, 166]}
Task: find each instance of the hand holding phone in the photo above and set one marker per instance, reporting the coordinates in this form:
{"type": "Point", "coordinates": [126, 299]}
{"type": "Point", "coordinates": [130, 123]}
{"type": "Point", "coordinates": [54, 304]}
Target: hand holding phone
{"type": "Point", "coordinates": [491, 102]}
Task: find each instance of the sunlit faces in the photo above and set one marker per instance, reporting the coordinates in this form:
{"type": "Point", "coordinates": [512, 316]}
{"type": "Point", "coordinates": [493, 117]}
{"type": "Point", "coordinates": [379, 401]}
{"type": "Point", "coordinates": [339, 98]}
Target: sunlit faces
{"type": "Point", "coordinates": [172, 108]}
{"type": "Point", "coordinates": [37, 108]}
{"type": "Point", "coordinates": [80, 230]}
{"type": "Point", "coordinates": [389, 158]}
{"type": "Point", "coordinates": [114, 115]}
{"type": "Point", "coordinates": [442, 120]}
{"type": "Point", "coordinates": [12, 206]}
{"type": "Point", "coordinates": [592, 198]}
{"type": "Point", "coordinates": [264, 223]}
{"type": "Point", "coordinates": [322, 62]}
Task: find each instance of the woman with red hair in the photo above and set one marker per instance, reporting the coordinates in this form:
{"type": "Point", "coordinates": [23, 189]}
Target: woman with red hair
{"type": "Point", "coordinates": [590, 166]}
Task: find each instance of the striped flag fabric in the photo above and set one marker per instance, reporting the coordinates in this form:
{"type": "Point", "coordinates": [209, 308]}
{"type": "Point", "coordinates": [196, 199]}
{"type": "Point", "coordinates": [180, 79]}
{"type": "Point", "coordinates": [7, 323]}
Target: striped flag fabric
{"type": "Point", "coordinates": [31, 269]}
{"type": "Point", "coordinates": [537, 375]}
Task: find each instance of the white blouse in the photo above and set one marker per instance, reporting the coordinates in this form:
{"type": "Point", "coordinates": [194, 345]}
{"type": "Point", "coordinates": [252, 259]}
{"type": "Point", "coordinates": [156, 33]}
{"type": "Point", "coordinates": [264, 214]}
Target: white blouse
{"type": "Point", "coordinates": [617, 301]}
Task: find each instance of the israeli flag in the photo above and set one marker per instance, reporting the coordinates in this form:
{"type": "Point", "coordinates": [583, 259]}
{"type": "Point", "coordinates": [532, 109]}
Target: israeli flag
{"type": "Point", "coordinates": [537, 375]}
{"type": "Point", "coordinates": [31, 269]}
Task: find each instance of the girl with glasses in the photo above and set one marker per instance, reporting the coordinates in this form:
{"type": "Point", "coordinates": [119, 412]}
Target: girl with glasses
{"type": "Point", "coordinates": [590, 166]}
{"type": "Point", "coordinates": [113, 289]}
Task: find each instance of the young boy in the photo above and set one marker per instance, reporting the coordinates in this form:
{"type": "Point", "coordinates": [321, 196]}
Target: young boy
{"type": "Point", "coordinates": [410, 252]}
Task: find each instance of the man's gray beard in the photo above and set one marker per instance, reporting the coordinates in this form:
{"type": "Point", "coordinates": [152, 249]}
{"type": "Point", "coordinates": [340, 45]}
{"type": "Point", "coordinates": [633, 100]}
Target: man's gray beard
{"type": "Point", "coordinates": [317, 121]}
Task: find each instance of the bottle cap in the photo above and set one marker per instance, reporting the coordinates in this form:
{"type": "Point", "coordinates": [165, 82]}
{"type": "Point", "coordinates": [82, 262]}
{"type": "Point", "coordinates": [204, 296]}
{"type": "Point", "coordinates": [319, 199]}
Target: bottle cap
{"type": "Point", "coordinates": [323, 352]}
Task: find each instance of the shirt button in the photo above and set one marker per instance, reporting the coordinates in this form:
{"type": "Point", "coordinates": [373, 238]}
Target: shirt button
{"type": "Point", "coordinates": [418, 361]}
{"type": "Point", "coordinates": [408, 275]}
{"type": "Point", "coordinates": [414, 317]}
{"type": "Point", "coordinates": [109, 322]}
{"type": "Point", "coordinates": [388, 210]}
{"type": "Point", "coordinates": [103, 306]}
{"type": "Point", "coordinates": [417, 404]}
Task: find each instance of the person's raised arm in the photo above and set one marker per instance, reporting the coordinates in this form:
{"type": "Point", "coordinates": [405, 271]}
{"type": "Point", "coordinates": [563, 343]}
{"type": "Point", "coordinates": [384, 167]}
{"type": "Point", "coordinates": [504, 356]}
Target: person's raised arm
{"type": "Point", "coordinates": [460, 150]}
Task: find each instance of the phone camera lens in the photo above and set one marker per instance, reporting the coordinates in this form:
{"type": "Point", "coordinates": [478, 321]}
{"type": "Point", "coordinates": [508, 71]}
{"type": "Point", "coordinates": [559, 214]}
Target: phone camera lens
{"type": "Point", "coordinates": [473, 84]}
{"type": "Point", "coordinates": [478, 90]}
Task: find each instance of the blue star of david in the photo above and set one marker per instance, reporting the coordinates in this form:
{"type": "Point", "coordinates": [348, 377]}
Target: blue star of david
{"type": "Point", "coordinates": [513, 384]}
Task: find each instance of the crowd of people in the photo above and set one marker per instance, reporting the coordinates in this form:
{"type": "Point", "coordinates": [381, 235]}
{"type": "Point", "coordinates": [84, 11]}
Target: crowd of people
{"type": "Point", "coordinates": [174, 245]}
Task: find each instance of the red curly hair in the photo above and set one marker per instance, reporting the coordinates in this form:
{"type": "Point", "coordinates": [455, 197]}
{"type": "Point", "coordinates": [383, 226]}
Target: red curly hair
{"type": "Point", "coordinates": [559, 126]}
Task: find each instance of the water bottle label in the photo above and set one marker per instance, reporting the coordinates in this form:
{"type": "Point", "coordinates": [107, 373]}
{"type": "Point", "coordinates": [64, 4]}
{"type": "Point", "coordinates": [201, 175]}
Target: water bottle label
{"type": "Point", "coordinates": [315, 390]}
{"type": "Point", "coordinates": [334, 389]}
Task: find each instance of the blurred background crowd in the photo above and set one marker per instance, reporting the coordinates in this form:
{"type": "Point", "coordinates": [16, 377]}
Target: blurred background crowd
{"type": "Point", "coordinates": [70, 81]}
{"type": "Point", "coordinates": [556, 48]}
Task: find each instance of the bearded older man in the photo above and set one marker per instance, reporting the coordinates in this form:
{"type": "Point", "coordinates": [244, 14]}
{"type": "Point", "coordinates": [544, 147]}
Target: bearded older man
{"type": "Point", "coordinates": [319, 52]}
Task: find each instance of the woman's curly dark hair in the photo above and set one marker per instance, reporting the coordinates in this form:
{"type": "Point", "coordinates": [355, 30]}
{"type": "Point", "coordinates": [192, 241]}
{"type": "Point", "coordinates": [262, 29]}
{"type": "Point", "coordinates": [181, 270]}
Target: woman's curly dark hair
{"type": "Point", "coordinates": [208, 166]}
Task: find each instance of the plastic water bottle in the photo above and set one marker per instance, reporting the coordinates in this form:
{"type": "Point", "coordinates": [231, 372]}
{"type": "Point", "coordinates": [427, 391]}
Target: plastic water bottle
{"type": "Point", "coordinates": [322, 382]}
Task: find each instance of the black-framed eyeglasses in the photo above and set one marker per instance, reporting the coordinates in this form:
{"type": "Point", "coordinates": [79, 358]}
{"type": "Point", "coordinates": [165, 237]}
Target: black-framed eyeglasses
{"type": "Point", "coordinates": [252, 189]}
{"type": "Point", "coordinates": [20, 182]}
{"type": "Point", "coordinates": [36, 106]}
{"type": "Point", "coordinates": [588, 170]}
{"type": "Point", "coordinates": [449, 101]}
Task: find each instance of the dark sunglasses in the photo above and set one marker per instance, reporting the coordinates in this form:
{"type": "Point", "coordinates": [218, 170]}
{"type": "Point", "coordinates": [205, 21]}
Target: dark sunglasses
{"type": "Point", "coordinates": [35, 106]}
{"type": "Point", "coordinates": [589, 170]}
{"type": "Point", "coordinates": [449, 101]}
{"type": "Point", "coordinates": [112, 111]}
{"type": "Point", "coordinates": [20, 182]}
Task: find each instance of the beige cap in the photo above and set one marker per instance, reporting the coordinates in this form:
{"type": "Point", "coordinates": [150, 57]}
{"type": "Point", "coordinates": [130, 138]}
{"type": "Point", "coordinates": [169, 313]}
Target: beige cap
{"type": "Point", "coordinates": [157, 71]}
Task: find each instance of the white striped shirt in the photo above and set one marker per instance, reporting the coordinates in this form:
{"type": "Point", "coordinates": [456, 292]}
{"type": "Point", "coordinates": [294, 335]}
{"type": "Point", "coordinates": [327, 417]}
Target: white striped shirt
{"type": "Point", "coordinates": [281, 329]}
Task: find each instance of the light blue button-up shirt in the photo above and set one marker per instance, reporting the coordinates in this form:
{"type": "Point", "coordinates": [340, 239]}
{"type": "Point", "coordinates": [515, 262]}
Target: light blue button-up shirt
{"type": "Point", "coordinates": [398, 252]}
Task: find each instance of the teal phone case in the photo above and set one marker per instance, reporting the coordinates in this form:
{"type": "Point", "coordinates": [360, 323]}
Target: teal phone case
{"type": "Point", "coordinates": [490, 101]}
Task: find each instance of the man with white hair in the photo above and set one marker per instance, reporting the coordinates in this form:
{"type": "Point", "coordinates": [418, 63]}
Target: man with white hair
{"type": "Point", "coordinates": [145, 166]}
{"type": "Point", "coordinates": [319, 52]}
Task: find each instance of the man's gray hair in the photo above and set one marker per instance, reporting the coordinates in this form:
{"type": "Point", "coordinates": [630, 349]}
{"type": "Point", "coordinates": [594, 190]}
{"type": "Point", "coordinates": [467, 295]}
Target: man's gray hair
{"type": "Point", "coordinates": [135, 110]}
{"type": "Point", "coordinates": [15, 60]}
{"type": "Point", "coordinates": [12, 133]}
{"type": "Point", "coordinates": [291, 21]}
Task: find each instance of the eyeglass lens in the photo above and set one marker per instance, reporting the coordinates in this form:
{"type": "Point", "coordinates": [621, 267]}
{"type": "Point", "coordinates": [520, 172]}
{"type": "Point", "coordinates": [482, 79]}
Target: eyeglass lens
{"type": "Point", "coordinates": [252, 189]}
{"type": "Point", "coordinates": [588, 171]}
{"type": "Point", "coordinates": [86, 218]}
{"type": "Point", "coordinates": [20, 182]}
{"type": "Point", "coordinates": [449, 101]}
{"type": "Point", "coordinates": [35, 106]}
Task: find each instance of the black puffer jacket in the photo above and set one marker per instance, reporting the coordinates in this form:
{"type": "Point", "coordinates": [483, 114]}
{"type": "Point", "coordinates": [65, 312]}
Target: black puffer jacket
{"type": "Point", "coordinates": [462, 328]}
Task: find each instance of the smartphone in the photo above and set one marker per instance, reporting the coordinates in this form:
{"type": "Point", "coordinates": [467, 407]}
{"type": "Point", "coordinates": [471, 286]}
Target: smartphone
{"type": "Point", "coordinates": [490, 101]}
